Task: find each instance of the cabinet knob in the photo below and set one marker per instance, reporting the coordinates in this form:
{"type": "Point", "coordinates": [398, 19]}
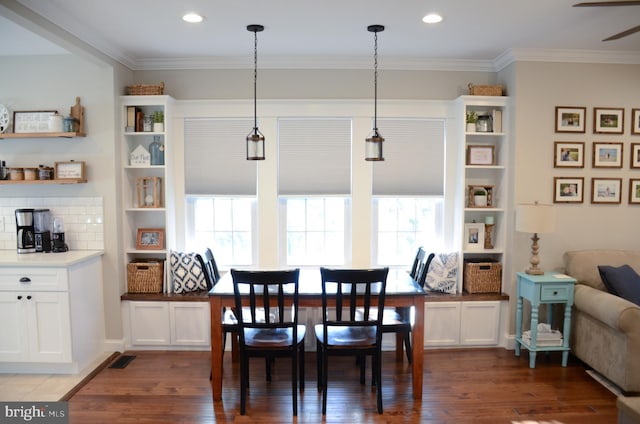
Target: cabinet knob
{"type": "Point", "coordinates": [25, 280]}
{"type": "Point", "coordinates": [29, 297]}
{"type": "Point", "coordinates": [19, 297]}
{"type": "Point", "coordinates": [555, 293]}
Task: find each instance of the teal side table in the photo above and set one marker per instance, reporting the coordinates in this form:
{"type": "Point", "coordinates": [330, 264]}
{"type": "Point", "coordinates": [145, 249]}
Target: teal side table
{"type": "Point", "coordinates": [544, 289]}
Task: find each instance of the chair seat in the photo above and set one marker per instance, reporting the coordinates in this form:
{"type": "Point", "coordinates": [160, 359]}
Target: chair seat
{"type": "Point", "coordinates": [272, 337]}
{"type": "Point", "coordinates": [347, 336]}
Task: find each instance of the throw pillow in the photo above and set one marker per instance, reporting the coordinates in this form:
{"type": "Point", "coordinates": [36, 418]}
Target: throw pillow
{"type": "Point", "coordinates": [443, 273]}
{"type": "Point", "coordinates": [187, 273]}
{"type": "Point", "coordinates": [622, 281]}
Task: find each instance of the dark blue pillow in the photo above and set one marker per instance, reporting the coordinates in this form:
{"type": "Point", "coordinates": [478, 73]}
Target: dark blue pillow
{"type": "Point", "coordinates": [621, 281]}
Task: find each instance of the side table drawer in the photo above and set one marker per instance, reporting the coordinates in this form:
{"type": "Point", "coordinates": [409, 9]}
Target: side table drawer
{"type": "Point", "coordinates": [554, 293]}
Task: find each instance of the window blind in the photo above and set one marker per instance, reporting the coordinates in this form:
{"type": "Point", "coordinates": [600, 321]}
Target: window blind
{"type": "Point", "coordinates": [314, 156]}
{"type": "Point", "coordinates": [413, 158]}
{"type": "Point", "coordinates": [215, 157]}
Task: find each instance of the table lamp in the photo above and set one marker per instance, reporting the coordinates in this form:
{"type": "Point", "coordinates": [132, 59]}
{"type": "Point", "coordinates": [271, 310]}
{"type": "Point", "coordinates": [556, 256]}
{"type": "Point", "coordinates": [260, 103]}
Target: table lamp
{"type": "Point", "coordinates": [537, 219]}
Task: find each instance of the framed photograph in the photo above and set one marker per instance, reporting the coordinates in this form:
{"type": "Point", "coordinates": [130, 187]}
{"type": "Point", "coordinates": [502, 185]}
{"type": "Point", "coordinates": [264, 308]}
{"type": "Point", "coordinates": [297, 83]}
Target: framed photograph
{"type": "Point", "coordinates": [607, 155]}
{"type": "Point", "coordinates": [568, 154]}
{"type": "Point", "coordinates": [150, 239]}
{"type": "Point", "coordinates": [480, 155]}
{"type": "Point", "coordinates": [36, 121]}
{"type": "Point", "coordinates": [608, 120]}
{"type": "Point", "coordinates": [634, 191]}
{"type": "Point", "coordinates": [568, 190]}
{"type": "Point", "coordinates": [605, 190]}
{"type": "Point", "coordinates": [635, 155]}
{"type": "Point", "coordinates": [570, 119]}
{"type": "Point", "coordinates": [635, 121]}
{"type": "Point", "coordinates": [473, 236]}
{"type": "Point", "coordinates": [71, 170]}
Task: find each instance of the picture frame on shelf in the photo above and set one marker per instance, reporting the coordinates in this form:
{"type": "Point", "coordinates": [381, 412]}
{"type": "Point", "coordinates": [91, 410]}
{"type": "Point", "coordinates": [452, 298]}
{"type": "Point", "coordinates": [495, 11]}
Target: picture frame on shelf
{"type": "Point", "coordinates": [568, 154]}
{"type": "Point", "coordinates": [634, 191]}
{"type": "Point", "coordinates": [474, 236]}
{"type": "Point", "coordinates": [635, 156]}
{"type": "Point", "coordinates": [32, 121]}
{"type": "Point", "coordinates": [568, 189]}
{"type": "Point", "coordinates": [483, 154]}
{"type": "Point", "coordinates": [607, 154]}
{"type": "Point", "coordinates": [70, 170]}
{"type": "Point", "coordinates": [150, 239]}
{"type": "Point", "coordinates": [608, 120]}
{"type": "Point", "coordinates": [605, 190]}
{"type": "Point", "coordinates": [570, 119]}
{"type": "Point", "coordinates": [635, 121]}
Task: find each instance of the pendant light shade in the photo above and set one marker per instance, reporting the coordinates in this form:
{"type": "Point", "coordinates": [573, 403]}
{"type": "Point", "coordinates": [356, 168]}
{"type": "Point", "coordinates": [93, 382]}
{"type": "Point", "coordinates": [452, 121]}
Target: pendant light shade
{"type": "Point", "coordinates": [255, 139]}
{"type": "Point", "coordinates": [373, 144]}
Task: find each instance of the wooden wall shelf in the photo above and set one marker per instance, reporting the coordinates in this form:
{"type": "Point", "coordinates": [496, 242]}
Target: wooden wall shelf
{"type": "Point", "coordinates": [43, 135]}
{"type": "Point", "coordinates": [64, 181]}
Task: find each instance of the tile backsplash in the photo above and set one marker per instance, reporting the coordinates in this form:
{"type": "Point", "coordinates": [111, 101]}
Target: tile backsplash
{"type": "Point", "coordinates": [82, 216]}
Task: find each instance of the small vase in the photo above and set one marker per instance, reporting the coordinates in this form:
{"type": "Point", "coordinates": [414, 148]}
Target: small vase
{"type": "Point", "coordinates": [471, 127]}
{"type": "Point", "coordinates": [480, 201]}
{"type": "Point", "coordinates": [158, 127]}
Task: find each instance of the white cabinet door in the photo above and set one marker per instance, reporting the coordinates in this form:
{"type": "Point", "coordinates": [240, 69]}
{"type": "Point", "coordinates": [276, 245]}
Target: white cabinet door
{"type": "Point", "coordinates": [49, 327]}
{"type": "Point", "coordinates": [480, 323]}
{"type": "Point", "coordinates": [13, 331]}
{"type": "Point", "coordinates": [441, 324]}
{"type": "Point", "coordinates": [190, 323]}
{"type": "Point", "coordinates": [149, 323]}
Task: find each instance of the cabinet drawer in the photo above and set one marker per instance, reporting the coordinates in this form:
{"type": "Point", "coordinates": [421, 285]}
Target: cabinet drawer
{"type": "Point", "coordinates": [554, 293]}
{"type": "Point", "coordinates": [28, 279]}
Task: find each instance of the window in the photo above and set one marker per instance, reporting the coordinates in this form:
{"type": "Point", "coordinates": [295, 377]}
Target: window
{"type": "Point", "coordinates": [226, 225]}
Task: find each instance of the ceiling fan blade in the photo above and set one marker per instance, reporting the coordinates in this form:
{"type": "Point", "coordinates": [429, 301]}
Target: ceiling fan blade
{"type": "Point", "coordinates": [608, 3]}
{"type": "Point", "coordinates": [623, 33]}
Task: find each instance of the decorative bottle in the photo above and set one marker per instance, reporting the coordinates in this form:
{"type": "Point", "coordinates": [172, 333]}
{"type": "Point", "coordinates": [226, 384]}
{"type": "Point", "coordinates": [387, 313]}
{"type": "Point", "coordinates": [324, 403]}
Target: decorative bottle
{"type": "Point", "coordinates": [156, 149]}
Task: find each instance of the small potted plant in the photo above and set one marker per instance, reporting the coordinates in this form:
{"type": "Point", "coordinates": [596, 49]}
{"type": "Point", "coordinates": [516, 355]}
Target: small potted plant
{"type": "Point", "coordinates": [158, 121]}
{"type": "Point", "coordinates": [480, 197]}
{"type": "Point", "coordinates": [472, 118]}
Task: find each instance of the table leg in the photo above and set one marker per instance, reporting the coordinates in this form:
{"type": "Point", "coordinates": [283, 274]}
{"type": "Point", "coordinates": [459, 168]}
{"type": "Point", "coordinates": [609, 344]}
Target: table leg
{"type": "Point", "coordinates": [518, 324]}
{"type": "Point", "coordinates": [534, 335]}
{"type": "Point", "coordinates": [399, 348]}
{"type": "Point", "coordinates": [418, 349]}
{"type": "Point", "coordinates": [566, 330]}
{"type": "Point", "coordinates": [216, 347]}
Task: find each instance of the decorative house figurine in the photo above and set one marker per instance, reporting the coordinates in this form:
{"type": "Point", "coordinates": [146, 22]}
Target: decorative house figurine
{"type": "Point", "coordinates": [149, 192]}
{"type": "Point", "coordinates": [140, 157]}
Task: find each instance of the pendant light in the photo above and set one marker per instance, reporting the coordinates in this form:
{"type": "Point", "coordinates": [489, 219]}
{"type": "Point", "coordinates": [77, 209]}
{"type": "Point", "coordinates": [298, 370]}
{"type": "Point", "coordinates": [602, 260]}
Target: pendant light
{"type": "Point", "coordinates": [255, 139]}
{"type": "Point", "coordinates": [373, 145]}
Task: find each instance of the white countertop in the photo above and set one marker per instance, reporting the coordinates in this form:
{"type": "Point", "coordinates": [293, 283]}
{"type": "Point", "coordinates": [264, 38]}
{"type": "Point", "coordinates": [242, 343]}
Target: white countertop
{"type": "Point", "coordinates": [13, 258]}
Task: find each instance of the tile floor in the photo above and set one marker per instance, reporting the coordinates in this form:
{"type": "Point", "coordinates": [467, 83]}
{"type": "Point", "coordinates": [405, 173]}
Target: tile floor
{"type": "Point", "coordinates": [41, 387]}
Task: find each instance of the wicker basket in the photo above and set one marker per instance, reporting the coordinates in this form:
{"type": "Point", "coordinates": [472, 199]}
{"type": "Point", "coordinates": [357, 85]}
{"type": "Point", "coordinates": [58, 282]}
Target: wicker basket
{"type": "Point", "coordinates": [482, 277]}
{"type": "Point", "coordinates": [485, 90]}
{"type": "Point", "coordinates": [145, 276]}
{"type": "Point", "coordinates": [146, 89]}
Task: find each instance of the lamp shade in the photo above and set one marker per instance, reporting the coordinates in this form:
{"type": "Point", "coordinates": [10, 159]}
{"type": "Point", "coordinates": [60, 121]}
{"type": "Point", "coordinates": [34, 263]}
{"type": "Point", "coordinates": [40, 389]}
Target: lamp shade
{"type": "Point", "coordinates": [535, 218]}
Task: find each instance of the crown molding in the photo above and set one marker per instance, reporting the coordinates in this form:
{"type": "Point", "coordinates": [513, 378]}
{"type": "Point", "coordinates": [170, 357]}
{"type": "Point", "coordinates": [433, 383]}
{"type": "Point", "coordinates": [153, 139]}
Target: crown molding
{"type": "Point", "coordinates": [565, 56]}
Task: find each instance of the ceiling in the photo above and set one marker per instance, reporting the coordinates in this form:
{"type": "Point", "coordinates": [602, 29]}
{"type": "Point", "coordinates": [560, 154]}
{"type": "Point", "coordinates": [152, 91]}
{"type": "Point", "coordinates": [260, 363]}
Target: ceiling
{"type": "Point", "coordinates": [149, 34]}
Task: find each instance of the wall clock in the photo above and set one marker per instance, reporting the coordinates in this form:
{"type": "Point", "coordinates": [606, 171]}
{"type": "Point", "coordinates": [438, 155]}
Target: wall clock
{"type": "Point", "coordinates": [4, 118]}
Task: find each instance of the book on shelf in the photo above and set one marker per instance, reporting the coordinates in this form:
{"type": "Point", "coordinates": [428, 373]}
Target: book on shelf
{"type": "Point", "coordinates": [496, 115]}
{"type": "Point", "coordinates": [131, 118]}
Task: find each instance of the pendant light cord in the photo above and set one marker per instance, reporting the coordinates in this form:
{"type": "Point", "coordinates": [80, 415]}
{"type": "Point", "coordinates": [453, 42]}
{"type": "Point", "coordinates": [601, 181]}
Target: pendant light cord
{"type": "Point", "coordinates": [375, 83]}
{"type": "Point", "coordinates": [255, 82]}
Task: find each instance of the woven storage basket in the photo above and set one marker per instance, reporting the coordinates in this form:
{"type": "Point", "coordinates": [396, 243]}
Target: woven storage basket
{"type": "Point", "coordinates": [485, 90]}
{"type": "Point", "coordinates": [145, 89]}
{"type": "Point", "coordinates": [482, 277]}
{"type": "Point", "coordinates": [145, 276]}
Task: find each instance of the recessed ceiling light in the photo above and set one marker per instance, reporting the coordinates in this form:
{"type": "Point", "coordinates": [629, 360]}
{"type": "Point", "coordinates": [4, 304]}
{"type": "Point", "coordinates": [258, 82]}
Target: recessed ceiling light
{"type": "Point", "coordinates": [193, 18]}
{"type": "Point", "coordinates": [432, 18]}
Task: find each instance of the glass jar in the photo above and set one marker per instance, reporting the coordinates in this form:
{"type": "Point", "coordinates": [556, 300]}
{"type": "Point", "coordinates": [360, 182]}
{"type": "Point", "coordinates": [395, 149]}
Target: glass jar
{"type": "Point", "coordinates": [484, 123]}
{"type": "Point", "coordinates": [156, 149]}
{"type": "Point", "coordinates": [147, 123]}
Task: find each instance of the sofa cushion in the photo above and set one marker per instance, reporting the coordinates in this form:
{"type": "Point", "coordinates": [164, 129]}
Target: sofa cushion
{"type": "Point", "coordinates": [583, 264]}
{"type": "Point", "coordinates": [622, 281]}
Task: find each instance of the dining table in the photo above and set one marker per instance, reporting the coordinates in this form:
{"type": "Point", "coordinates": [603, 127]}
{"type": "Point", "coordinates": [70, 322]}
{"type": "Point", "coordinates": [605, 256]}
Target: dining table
{"type": "Point", "coordinates": [401, 291]}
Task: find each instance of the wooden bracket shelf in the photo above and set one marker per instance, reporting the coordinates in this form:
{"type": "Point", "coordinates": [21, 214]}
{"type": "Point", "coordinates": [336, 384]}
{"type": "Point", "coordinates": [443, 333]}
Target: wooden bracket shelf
{"type": "Point", "coordinates": [43, 135]}
{"type": "Point", "coordinates": [63, 181]}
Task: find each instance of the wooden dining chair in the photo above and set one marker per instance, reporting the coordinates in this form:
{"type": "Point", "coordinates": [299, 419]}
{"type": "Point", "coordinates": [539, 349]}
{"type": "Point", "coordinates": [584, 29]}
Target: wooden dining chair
{"type": "Point", "coordinates": [279, 334]}
{"type": "Point", "coordinates": [341, 332]}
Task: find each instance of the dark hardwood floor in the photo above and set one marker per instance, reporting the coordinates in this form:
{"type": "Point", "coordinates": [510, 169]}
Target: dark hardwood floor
{"type": "Point", "coordinates": [460, 386]}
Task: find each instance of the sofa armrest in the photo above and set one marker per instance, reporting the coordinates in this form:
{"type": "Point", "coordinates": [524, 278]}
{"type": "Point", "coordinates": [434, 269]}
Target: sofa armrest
{"type": "Point", "coordinates": [614, 311]}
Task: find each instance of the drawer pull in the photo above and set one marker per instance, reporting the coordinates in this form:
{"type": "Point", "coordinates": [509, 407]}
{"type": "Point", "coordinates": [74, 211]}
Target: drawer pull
{"type": "Point", "coordinates": [555, 293]}
{"type": "Point", "coordinates": [20, 297]}
{"type": "Point", "coordinates": [25, 280]}
{"type": "Point", "coordinates": [29, 297]}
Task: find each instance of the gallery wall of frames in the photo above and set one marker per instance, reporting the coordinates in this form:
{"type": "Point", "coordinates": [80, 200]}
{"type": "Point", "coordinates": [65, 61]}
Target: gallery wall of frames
{"type": "Point", "coordinates": [614, 150]}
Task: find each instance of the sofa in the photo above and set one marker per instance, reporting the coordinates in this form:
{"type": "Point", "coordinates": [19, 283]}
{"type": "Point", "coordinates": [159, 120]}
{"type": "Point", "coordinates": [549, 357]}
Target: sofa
{"type": "Point", "coordinates": [605, 329]}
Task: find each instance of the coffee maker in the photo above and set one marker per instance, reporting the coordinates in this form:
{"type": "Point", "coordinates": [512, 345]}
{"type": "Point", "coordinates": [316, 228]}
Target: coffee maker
{"type": "Point", "coordinates": [25, 231]}
{"type": "Point", "coordinates": [42, 227]}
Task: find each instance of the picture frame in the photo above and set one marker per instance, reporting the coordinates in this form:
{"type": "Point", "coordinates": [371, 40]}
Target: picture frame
{"type": "Point", "coordinates": [634, 191]}
{"type": "Point", "coordinates": [483, 154]}
{"type": "Point", "coordinates": [474, 236]}
{"type": "Point", "coordinates": [570, 119]}
{"type": "Point", "coordinates": [568, 189]}
{"type": "Point", "coordinates": [150, 239]}
{"type": "Point", "coordinates": [70, 170]}
{"type": "Point", "coordinates": [568, 154]}
{"type": "Point", "coordinates": [606, 190]}
{"type": "Point", "coordinates": [608, 120]}
{"type": "Point", "coordinates": [607, 154]}
{"type": "Point", "coordinates": [32, 121]}
{"type": "Point", "coordinates": [635, 121]}
{"type": "Point", "coordinates": [635, 156]}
